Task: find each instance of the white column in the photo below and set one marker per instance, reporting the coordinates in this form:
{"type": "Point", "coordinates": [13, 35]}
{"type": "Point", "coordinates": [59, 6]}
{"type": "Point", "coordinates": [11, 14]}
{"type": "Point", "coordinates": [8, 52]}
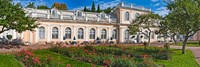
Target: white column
{"type": "Point", "coordinates": [98, 19]}
{"type": "Point", "coordinates": [48, 33]}
{"type": "Point", "coordinates": [61, 15]}
{"type": "Point", "coordinates": [74, 33]}
{"type": "Point", "coordinates": [31, 37]}
{"type": "Point", "coordinates": [121, 35]}
{"type": "Point", "coordinates": [86, 36]}
{"type": "Point", "coordinates": [61, 33]}
{"type": "Point", "coordinates": [36, 35]}
{"type": "Point", "coordinates": [86, 18]}
{"type": "Point", "coordinates": [109, 32]}
{"type": "Point", "coordinates": [98, 34]}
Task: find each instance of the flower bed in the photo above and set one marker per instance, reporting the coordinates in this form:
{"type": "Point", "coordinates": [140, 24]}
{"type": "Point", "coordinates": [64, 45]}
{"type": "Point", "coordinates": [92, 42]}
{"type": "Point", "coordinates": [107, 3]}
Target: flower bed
{"type": "Point", "coordinates": [106, 56]}
{"type": "Point", "coordinates": [30, 60]}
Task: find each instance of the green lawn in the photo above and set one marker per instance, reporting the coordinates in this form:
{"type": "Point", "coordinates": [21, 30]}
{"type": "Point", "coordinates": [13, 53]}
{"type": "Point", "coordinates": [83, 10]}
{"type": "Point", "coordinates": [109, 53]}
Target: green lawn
{"type": "Point", "coordinates": [61, 60]}
{"type": "Point", "coordinates": [180, 60]}
{"type": "Point", "coordinates": [9, 61]}
{"type": "Point", "coordinates": [189, 43]}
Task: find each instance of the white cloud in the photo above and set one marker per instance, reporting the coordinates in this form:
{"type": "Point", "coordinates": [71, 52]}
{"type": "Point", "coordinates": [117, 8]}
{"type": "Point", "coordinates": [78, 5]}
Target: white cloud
{"type": "Point", "coordinates": [154, 0]}
{"type": "Point", "coordinates": [157, 4]}
{"type": "Point", "coordinates": [162, 11]}
{"type": "Point", "coordinates": [103, 4]}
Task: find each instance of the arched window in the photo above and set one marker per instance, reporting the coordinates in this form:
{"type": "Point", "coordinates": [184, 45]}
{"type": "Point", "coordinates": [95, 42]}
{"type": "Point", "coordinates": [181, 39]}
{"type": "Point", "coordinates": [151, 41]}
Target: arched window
{"type": "Point", "coordinates": [114, 34]}
{"type": "Point", "coordinates": [80, 33]}
{"type": "Point", "coordinates": [92, 33]}
{"type": "Point", "coordinates": [68, 33]}
{"type": "Point", "coordinates": [127, 16]}
{"type": "Point", "coordinates": [127, 34]}
{"type": "Point", "coordinates": [79, 14]}
{"type": "Point", "coordinates": [137, 15]}
{"type": "Point", "coordinates": [55, 33]}
{"type": "Point", "coordinates": [103, 34]}
{"type": "Point", "coordinates": [41, 32]}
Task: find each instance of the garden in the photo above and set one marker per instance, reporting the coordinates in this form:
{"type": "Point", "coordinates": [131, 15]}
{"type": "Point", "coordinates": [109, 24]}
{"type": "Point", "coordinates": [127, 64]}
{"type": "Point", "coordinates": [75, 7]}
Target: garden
{"type": "Point", "coordinates": [99, 56]}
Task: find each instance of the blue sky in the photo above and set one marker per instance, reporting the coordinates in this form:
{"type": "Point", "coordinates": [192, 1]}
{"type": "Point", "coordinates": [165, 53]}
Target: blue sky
{"type": "Point", "coordinates": [157, 6]}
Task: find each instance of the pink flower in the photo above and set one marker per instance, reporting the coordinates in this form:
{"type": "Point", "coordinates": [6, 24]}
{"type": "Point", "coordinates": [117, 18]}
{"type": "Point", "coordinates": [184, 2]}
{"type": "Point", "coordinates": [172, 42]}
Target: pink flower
{"type": "Point", "coordinates": [68, 65]}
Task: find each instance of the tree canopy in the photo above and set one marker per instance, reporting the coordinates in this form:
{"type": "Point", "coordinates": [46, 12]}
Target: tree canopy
{"type": "Point", "coordinates": [145, 22]}
{"type": "Point", "coordinates": [31, 5]}
{"type": "Point", "coordinates": [184, 17]}
{"type": "Point", "coordinates": [93, 9]}
{"type": "Point", "coordinates": [42, 7]}
{"type": "Point", "coordinates": [61, 6]}
{"type": "Point", "coordinates": [13, 18]}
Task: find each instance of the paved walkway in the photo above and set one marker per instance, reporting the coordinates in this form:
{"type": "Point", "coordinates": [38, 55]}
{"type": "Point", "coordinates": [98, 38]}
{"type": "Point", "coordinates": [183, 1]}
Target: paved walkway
{"type": "Point", "coordinates": [195, 50]}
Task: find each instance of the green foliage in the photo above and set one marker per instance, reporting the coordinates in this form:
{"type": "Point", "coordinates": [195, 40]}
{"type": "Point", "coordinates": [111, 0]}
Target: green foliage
{"type": "Point", "coordinates": [184, 18]}
{"type": "Point", "coordinates": [145, 21]}
{"type": "Point", "coordinates": [13, 17]}
{"type": "Point", "coordinates": [180, 60]}
{"type": "Point", "coordinates": [93, 9]}
{"type": "Point", "coordinates": [98, 8]}
{"type": "Point", "coordinates": [31, 5]}
{"type": "Point", "coordinates": [107, 10]}
{"type": "Point", "coordinates": [42, 7]}
{"type": "Point", "coordinates": [9, 61]}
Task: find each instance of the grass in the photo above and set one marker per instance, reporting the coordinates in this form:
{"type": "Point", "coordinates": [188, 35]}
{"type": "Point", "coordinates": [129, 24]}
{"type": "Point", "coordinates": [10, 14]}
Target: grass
{"type": "Point", "coordinates": [9, 61]}
{"type": "Point", "coordinates": [180, 60]}
{"type": "Point", "coordinates": [189, 43]}
{"type": "Point", "coordinates": [60, 60]}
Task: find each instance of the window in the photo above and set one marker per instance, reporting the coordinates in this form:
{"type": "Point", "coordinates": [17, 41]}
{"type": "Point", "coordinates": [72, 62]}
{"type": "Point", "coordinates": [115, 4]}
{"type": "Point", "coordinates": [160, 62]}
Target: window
{"type": "Point", "coordinates": [127, 16]}
{"type": "Point", "coordinates": [41, 32]}
{"type": "Point", "coordinates": [92, 33]}
{"type": "Point", "coordinates": [79, 14]}
{"type": "Point", "coordinates": [127, 34]}
{"type": "Point", "coordinates": [114, 34]}
{"type": "Point", "coordinates": [68, 33]}
{"type": "Point", "coordinates": [103, 34]}
{"type": "Point", "coordinates": [137, 15]}
{"type": "Point", "coordinates": [103, 16]}
{"type": "Point", "coordinates": [55, 33]}
{"type": "Point", "coordinates": [80, 33]}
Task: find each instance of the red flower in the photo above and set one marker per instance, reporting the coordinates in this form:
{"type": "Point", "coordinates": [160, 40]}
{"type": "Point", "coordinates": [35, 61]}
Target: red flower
{"type": "Point", "coordinates": [36, 60]}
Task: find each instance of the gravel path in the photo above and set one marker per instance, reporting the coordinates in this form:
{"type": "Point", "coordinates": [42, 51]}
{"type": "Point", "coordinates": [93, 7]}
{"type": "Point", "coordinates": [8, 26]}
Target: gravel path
{"type": "Point", "coordinates": [195, 50]}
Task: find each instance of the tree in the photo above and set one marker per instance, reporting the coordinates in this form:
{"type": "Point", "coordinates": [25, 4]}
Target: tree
{"type": "Point", "coordinates": [30, 5]}
{"type": "Point", "coordinates": [168, 27]}
{"type": "Point", "coordinates": [61, 6]}
{"type": "Point", "coordinates": [93, 7]}
{"type": "Point", "coordinates": [144, 22]}
{"type": "Point", "coordinates": [107, 10]}
{"type": "Point", "coordinates": [98, 8]}
{"type": "Point", "coordinates": [13, 18]}
{"type": "Point", "coordinates": [42, 7]}
{"type": "Point", "coordinates": [185, 15]}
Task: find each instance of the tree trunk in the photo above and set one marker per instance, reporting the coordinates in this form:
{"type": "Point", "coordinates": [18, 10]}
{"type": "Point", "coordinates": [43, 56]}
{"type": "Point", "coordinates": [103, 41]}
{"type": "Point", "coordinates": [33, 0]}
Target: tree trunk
{"type": "Point", "coordinates": [173, 37]}
{"type": "Point", "coordinates": [184, 44]}
{"type": "Point", "coordinates": [149, 39]}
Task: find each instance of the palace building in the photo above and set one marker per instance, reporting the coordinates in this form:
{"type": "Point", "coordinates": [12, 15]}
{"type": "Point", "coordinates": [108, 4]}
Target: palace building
{"type": "Point", "coordinates": [65, 26]}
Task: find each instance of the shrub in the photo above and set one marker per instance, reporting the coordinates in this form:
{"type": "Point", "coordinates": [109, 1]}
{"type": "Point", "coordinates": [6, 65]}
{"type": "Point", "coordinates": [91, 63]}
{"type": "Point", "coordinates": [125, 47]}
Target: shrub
{"type": "Point", "coordinates": [30, 60]}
